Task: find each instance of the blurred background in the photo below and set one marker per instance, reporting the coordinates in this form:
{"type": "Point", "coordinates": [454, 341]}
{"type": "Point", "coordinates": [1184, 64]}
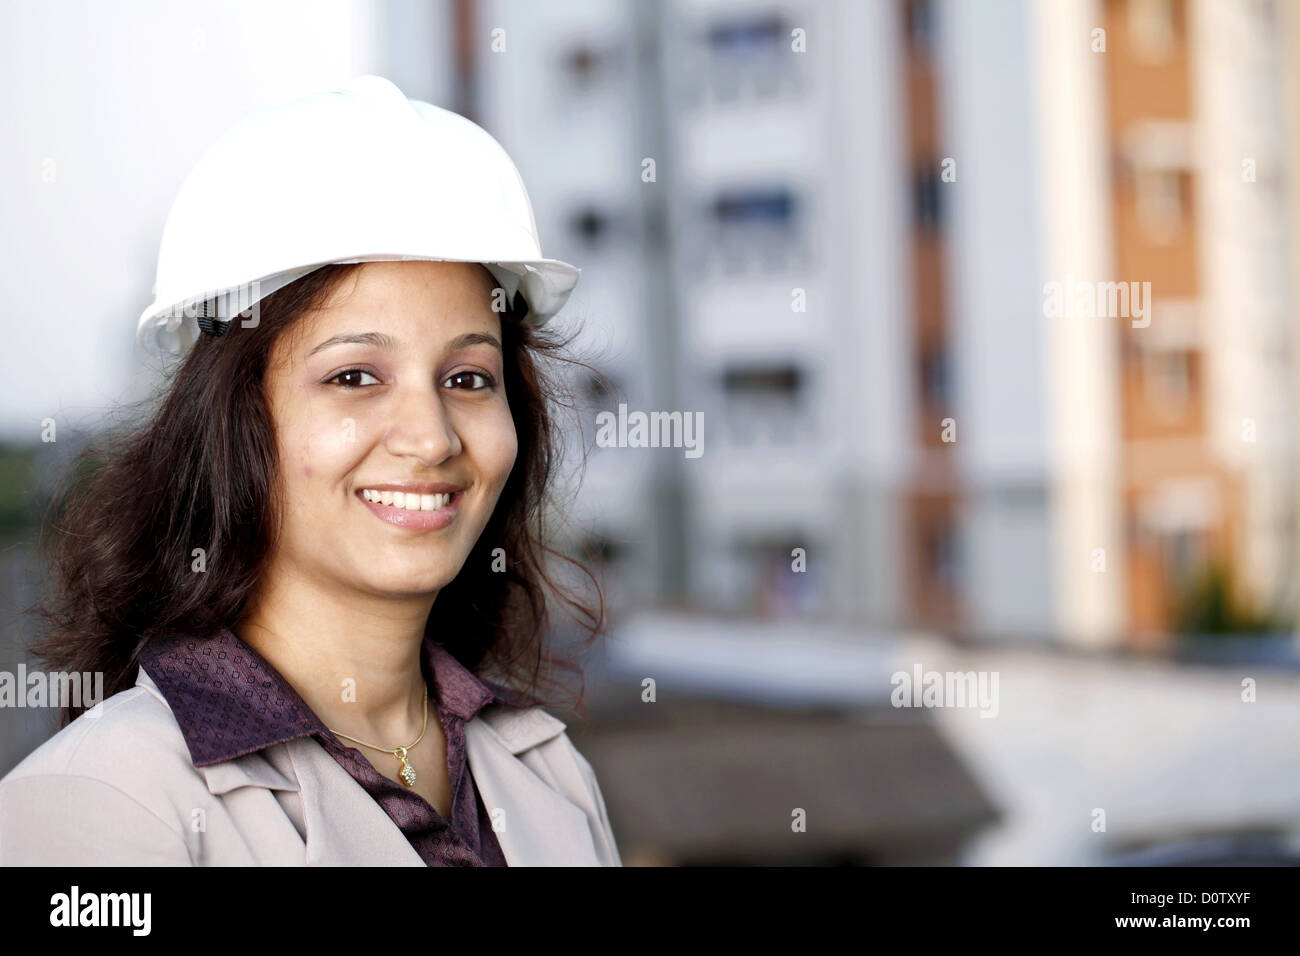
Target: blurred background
{"type": "Point", "coordinates": [842, 232]}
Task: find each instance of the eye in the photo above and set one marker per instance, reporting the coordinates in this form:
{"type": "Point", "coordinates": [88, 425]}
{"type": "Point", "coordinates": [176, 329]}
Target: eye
{"type": "Point", "coordinates": [488, 380]}
{"type": "Point", "coordinates": [352, 372]}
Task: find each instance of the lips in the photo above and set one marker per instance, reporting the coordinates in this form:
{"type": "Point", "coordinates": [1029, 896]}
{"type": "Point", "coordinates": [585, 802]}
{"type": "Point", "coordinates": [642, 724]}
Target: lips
{"type": "Point", "coordinates": [421, 519]}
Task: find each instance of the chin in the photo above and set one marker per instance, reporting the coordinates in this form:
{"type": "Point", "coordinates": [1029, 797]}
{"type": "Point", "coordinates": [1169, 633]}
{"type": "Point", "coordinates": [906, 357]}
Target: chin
{"type": "Point", "coordinates": [401, 577]}
{"type": "Point", "coordinates": [398, 587]}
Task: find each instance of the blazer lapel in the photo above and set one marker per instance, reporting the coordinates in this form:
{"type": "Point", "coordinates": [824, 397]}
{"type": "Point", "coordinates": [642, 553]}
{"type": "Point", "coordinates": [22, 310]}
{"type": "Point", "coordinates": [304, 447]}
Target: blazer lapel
{"type": "Point", "coordinates": [541, 826]}
{"type": "Point", "coordinates": [341, 824]}
{"type": "Point", "coordinates": [344, 824]}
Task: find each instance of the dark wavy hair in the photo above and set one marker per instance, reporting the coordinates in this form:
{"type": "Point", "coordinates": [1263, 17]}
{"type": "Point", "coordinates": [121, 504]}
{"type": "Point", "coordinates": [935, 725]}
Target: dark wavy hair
{"type": "Point", "coordinates": [202, 471]}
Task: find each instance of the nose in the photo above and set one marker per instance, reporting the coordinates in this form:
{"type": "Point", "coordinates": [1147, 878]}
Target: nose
{"type": "Point", "coordinates": [421, 428]}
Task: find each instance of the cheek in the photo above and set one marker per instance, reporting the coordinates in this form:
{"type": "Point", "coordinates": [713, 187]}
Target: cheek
{"type": "Point", "coordinates": [495, 448]}
{"type": "Point", "coordinates": [506, 451]}
{"type": "Point", "coordinates": [316, 446]}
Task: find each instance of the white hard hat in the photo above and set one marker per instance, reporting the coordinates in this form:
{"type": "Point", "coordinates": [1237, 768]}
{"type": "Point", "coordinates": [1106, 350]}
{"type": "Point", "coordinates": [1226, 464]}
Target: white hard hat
{"type": "Point", "coordinates": [357, 174]}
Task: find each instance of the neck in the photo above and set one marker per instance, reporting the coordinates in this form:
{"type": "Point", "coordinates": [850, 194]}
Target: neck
{"type": "Point", "coordinates": [354, 659]}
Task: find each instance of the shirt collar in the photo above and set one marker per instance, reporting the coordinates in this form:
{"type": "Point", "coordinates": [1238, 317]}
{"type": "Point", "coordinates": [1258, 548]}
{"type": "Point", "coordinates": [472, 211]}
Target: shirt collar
{"type": "Point", "coordinates": [229, 701]}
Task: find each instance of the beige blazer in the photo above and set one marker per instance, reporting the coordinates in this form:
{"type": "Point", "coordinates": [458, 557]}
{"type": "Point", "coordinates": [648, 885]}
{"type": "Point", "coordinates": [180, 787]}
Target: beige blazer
{"type": "Point", "coordinates": [118, 787]}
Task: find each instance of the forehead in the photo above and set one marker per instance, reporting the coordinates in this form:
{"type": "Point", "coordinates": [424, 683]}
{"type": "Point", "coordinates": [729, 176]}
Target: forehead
{"type": "Point", "coordinates": [413, 301]}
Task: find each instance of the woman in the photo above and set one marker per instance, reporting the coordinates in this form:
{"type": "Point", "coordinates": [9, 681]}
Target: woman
{"type": "Point", "coordinates": [314, 580]}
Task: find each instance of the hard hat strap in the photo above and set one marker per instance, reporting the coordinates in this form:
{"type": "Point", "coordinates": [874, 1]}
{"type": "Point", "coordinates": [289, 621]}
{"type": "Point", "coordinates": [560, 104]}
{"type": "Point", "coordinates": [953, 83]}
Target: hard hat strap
{"type": "Point", "coordinates": [208, 322]}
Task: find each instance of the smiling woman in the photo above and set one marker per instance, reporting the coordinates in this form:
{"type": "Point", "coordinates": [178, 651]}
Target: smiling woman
{"type": "Point", "coordinates": [413, 405]}
{"type": "Point", "coordinates": [330, 529]}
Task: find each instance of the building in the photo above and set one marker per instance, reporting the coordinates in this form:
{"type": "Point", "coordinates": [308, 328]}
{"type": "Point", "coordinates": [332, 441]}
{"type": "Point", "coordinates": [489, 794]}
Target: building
{"type": "Point", "coordinates": [854, 238]}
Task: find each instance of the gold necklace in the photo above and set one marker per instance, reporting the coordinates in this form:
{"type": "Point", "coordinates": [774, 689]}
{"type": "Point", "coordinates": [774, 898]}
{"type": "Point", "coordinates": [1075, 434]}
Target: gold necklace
{"type": "Point", "coordinates": [406, 771]}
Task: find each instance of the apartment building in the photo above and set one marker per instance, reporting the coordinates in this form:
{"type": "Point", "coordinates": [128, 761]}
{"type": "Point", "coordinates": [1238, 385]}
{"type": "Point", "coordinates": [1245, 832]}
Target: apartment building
{"type": "Point", "coordinates": [1192, 118]}
{"type": "Point", "coordinates": [730, 273]}
{"type": "Point", "coordinates": [1106, 460]}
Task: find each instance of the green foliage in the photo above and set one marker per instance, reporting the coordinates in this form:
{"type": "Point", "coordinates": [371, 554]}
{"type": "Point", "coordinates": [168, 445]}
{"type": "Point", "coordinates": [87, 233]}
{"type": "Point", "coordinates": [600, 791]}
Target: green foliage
{"type": "Point", "coordinates": [1210, 606]}
{"type": "Point", "coordinates": [18, 508]}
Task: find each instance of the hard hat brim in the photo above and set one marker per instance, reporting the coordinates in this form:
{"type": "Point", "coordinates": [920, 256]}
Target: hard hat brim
{"type": "Point", "coordinates": [170, 328]}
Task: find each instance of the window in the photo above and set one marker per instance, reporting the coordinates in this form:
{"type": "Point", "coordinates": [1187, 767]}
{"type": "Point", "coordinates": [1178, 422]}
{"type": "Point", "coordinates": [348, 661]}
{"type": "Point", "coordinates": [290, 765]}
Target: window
{"type": "Point", "coordinates": [590, 225]}
{"type": "Point", "coordinates": [920, 23]}
{"type": "Point", "coordinates": [942, 556]}
{"type": "Point", "coordinates": [1183, 555]}
{"type": "Point", "coordinates": [586, 66]}
{"type": "Point", "coordinates": [1162, 197]}
{"type": "Point", "coordinates": [936, 382]}
{"type": "Point", "coordinates": [755, 228]}
{"type": "Point", "coordinates": [781, 381]}
{"type": "Point", "coordinates": [752, 55]}
{"type": "Point", "coordinates": [1153, 29]}
{"type": "Point", "coordinates": [742, 39]}
{"type": "Point", "coordinates": [926, 190]}
{"type": "Point", "coordinates": [611, 558]}
{"type": "Point", "coordinates": [763, 404]}
{"type": "Point", "coordinates": [596, 397]}
{"type": "Point", "coordinates": [1168, 381]}
{"type": "Point", "coordinates": [599, 548]}
{"type": "Point", "coordinates": [770, 586]}
{"type": "Point", "coordinates": [774, 207]}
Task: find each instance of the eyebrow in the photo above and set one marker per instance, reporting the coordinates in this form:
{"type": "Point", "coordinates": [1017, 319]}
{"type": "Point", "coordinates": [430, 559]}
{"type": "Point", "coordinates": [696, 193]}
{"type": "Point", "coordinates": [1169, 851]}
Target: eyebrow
{"type": "Point", "coordinates": [382, 340]}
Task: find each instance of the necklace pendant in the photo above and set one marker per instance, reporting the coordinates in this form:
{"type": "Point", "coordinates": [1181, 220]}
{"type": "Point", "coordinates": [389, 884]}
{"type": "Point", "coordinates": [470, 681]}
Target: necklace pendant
{"type": "Point", "coordinates": [407, 772]}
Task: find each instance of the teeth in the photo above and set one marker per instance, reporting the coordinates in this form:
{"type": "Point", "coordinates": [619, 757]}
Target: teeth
{"type": "Point", "coordinates": [407, 502]}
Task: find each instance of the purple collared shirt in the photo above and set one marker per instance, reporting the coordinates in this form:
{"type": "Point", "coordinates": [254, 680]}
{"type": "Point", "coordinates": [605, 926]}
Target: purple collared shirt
{"type": "Point", "coordinates": [229, 701]}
